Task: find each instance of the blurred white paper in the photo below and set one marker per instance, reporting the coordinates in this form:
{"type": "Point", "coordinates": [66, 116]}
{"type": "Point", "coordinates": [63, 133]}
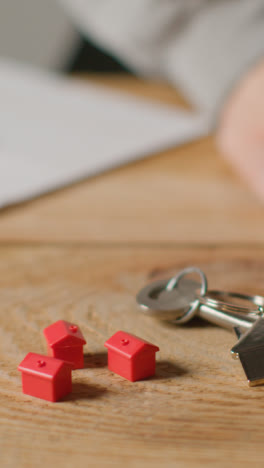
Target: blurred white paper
{"type": "Point", "coordinates": [54, 131]}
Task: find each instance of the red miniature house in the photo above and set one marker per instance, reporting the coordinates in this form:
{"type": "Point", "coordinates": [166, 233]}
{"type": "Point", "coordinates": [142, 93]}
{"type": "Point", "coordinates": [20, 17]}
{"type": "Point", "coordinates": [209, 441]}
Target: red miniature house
{"type": "Point", "coordinates": [65, 341]}
{"type": "Point", "coordinates": [45, 377]}
{"type": "Point", "coordinates": [130, 356]}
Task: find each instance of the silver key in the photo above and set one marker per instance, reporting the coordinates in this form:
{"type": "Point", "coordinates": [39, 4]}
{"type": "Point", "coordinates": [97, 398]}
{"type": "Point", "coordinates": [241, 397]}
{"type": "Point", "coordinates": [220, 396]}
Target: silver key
{"type": "Point", "coordinates": [181, 298]}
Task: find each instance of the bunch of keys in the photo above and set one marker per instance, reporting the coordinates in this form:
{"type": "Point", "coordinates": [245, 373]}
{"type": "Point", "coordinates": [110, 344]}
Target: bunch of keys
{"type": "Point", "coordinates": [181, 298]}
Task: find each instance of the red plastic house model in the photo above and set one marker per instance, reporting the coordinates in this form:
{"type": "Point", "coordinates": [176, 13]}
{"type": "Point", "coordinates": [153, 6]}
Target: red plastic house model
{"type": "Point", "coordinates": [130, 356]}
{"type": "Point", "coordinates": [45, 377]}
{"type": "Point", "coordinates": [65, 341]}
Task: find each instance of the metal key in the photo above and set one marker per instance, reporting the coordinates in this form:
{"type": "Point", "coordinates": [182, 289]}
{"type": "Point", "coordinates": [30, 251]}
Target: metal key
{"type": "Point", "coordinates": [178, 300]}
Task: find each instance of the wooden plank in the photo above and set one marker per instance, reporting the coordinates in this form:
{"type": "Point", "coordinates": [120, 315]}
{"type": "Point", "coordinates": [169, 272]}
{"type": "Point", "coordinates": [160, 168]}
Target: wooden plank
{"type": "Point", "coordinates": [186, 194]}
{"type": "Point", "coordinates": [198, 411]}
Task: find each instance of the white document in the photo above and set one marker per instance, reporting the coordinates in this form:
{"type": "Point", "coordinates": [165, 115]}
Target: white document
{"type": "Point", "coordinates": [54, 131]}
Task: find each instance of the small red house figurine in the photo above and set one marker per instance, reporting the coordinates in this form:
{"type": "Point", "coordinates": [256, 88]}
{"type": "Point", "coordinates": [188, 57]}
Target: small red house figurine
{"type": "Point", "coordinates": [130, 356]}
{"type": "Point", "coordinates": [65, 341]}
{"type": "Point", "coordinates": [45, 377]}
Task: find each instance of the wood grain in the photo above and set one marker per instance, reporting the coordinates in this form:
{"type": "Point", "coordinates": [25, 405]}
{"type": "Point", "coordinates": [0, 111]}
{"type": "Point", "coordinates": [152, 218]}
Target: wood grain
{"type": "Point", "coordinates": [197, 411]}
{"type": "Point", "coordinates": [187, 194]}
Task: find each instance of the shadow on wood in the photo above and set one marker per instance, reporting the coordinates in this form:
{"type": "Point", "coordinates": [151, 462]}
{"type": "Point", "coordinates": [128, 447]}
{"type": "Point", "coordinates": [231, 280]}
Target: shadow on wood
{"type": "Point", "coordinates": [168, 370]}
{"type": "Point", "coordinates": [95, 360]}
{"type": "Point", "coordinates": [195, 322]}
{"type": "Point", "coordinates": [82, 391]}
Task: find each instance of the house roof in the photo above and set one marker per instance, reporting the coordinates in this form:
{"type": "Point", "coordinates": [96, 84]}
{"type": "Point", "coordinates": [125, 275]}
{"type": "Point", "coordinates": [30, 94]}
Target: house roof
{"type": "Point", "coordinates": [252, 339]}
{"type": "Point", "coordinates": [42, 366]}
{"type": "Point", "coordinates": [128, 345]}
{"type": "Point", "coordinates": [252, 362]}
{"type": "Point", "coordinates": [63, 334]}
{"type": "Point", "coordinates": [250, 349]}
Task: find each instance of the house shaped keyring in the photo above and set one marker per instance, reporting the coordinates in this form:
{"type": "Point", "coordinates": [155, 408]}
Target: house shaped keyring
{"type": "Point", "coordinates": [250, 351]}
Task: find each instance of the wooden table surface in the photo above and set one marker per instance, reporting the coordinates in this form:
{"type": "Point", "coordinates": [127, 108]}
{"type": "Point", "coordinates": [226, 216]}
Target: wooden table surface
{"type": "Point", "coordinates": [81, 254]}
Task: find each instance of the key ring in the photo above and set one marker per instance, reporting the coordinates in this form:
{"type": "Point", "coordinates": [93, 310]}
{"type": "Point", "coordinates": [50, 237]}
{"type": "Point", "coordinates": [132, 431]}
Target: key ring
{"type": "Point", "coordinates": [168, 300]}
{"type": "Point", "coordinates": [172, 305]}
{"type": "Point", "coordinates": [189, 314]}
{"type": "Point", "coordinates": [180, 304]}
{"type": "Point", "coordinates": [210, 300]}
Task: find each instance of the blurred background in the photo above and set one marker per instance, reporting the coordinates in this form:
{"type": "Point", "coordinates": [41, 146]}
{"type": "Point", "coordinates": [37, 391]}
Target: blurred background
{"type": "Point", "coordinates": [212, 52]}
{"type": "Point", "coordinates": [57, 45]}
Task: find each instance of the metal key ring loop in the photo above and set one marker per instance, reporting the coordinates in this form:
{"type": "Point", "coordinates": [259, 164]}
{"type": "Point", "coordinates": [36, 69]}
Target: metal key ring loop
{"type": "Point", "coordinates": [218, 304]}
{"type": "Point", "coordinates": [147, 297]}
{"type": "Point", "coordinates": [173, 282]}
